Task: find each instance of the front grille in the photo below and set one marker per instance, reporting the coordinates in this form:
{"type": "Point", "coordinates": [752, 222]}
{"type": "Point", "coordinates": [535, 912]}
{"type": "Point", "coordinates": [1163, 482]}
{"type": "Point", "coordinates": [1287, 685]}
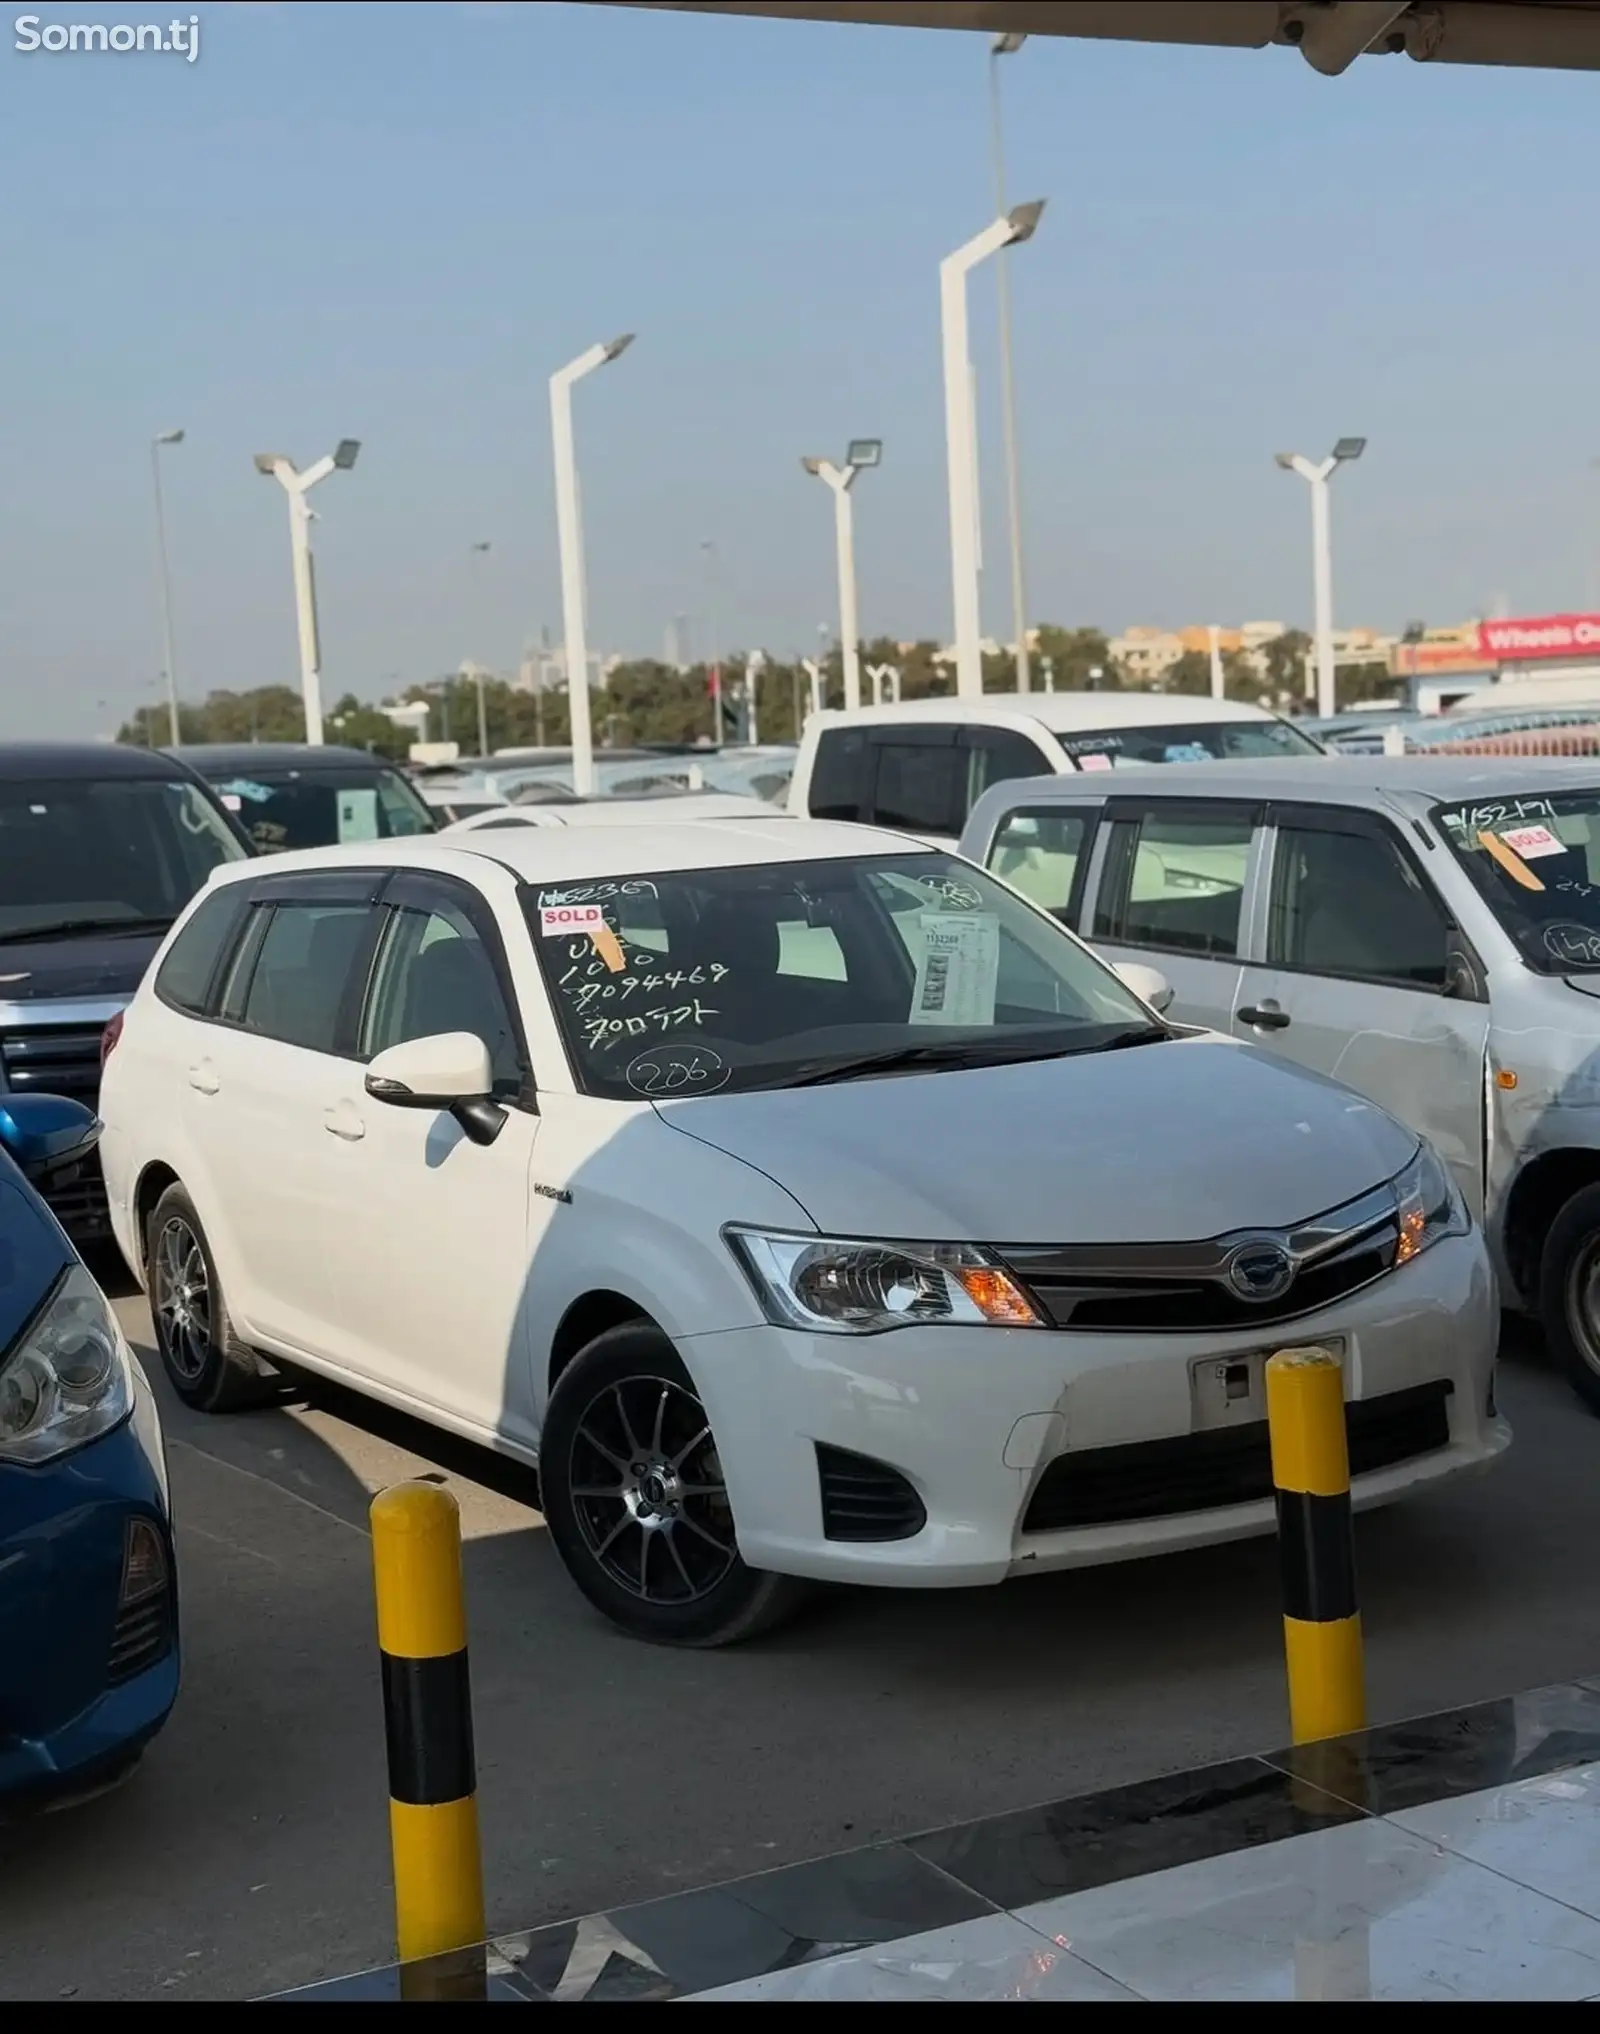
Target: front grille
{"type": "Point", "coordinates": [865, 1500]}
{"type": "Point", "coordinates": [77, 1199]}
{"type": "Point", "coordinates": [1182, 1288]}
{"type": "Point", "coordinates": [1232, 1465]}
{"type": "Point", "coordinates": [54, 1059]}
{"type": "Point", "coordinates": [143, 1635]}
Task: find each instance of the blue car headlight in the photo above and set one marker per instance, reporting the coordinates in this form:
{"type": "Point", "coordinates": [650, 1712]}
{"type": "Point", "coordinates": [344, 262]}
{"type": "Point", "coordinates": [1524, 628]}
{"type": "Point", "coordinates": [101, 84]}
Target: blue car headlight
{"type": "Point", "coordinates": [70, 1378]}
{"type": "Point", "coordinates": [1427, 1205]}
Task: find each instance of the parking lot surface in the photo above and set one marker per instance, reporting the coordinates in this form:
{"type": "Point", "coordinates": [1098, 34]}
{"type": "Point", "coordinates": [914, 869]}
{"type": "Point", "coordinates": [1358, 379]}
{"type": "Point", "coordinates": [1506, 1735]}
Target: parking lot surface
{"type": "Point", "coordinates": [250, 1852]}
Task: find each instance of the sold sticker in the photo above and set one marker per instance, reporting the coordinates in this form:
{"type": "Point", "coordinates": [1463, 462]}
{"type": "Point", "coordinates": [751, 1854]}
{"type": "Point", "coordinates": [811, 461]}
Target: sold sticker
{"type": "Point", "coordinates": [558, 919]}
{"type": "Point", "coordinates": [1532, 841]}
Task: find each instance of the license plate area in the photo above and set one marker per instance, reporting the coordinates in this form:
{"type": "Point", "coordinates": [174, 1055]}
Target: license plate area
{"type": "Point", "coordinates": [1231, 1391]}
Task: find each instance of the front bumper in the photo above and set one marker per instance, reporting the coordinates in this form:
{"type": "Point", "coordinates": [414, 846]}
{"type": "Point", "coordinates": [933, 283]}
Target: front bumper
{"type": "Point", "coordinates": [85, 1679]}
{"type": "Point", "coordinates": [973, 1419]}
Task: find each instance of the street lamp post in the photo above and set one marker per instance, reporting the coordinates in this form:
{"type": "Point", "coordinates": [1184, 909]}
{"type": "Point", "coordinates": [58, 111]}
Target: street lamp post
{"type": "Point", "coordinates": [479, 551]}
{"type": "Point", "coordinates": [1219, 687]}
{"type": "Point", "coordinates": [1004, 46]}
{"type": "Point", "coordinates": [708, 551]}
{"type": "Point", "coordinates": [297, 486]}
{"type": "Point", "coordinates": [1316, 478]}
{"type": "Point", "coordinates": [569, 535]}
{"type": "Point", "coordinates": [862, 453]}
{"type": "Point", "coordinates": [960, 425]}
{"type": "Point", "coordinates": [164, 579]}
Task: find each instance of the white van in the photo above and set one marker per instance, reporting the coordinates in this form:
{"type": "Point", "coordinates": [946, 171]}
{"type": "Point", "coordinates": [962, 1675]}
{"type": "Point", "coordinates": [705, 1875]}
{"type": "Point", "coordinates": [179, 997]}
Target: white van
{"type": "Point", "coordinates": [920, 766]}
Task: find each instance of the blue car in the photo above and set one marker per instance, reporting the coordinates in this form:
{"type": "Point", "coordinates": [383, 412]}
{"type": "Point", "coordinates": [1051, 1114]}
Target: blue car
{"type": "Point", "coordinates": [88, 1586]}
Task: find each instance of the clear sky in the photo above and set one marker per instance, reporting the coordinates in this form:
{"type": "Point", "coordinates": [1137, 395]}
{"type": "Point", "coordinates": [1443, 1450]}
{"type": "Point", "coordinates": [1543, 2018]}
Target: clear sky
{"type": "Point", "coordinates": [393, 221]}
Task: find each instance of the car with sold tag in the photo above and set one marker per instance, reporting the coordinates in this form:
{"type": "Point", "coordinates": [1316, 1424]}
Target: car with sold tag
{"type": "Point", "coordinates": [803, 1202]}
{"type": "Point", "coordinates": [1426, 928]}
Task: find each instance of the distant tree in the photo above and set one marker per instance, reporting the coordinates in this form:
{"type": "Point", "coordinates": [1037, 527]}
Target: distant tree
{"type": "Point", "coordinates": [1285, 660]}
{"type": "Point", "coordinates": [1073, 654]}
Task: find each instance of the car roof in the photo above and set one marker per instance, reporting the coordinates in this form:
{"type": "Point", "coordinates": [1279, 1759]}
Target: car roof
{"type": "Point", "coordinates": [556, 854]}
{"type": "Point", "coordinates": [243, 757]}
{"type": "Point", "coordinates": [86, 760]}
{"type": "Point", "coordinates": [1430, 777]}
{"type": "Point", "coordinates": [1061, 712]}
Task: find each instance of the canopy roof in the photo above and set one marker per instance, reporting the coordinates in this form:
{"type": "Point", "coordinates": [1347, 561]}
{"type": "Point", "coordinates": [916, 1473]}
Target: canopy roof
{"type": "Point", "coordinates": [1330, 34]}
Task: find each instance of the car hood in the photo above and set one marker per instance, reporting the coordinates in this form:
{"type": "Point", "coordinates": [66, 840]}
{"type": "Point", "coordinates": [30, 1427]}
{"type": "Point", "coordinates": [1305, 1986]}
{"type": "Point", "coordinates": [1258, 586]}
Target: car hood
{"type": "Point", "coordinates": [92, 967]}
{"type": "Point", "coordinates": [1157, 1143]}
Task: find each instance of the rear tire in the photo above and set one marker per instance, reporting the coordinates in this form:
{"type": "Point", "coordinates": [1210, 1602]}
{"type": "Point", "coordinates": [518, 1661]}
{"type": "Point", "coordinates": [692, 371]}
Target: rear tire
{"type": "Point", "coordinates": [208, 1366]}
{"type": "Point", "coordinates": [635, 1500]}
{"type": "Point", "coordinates": [1569, 1293]}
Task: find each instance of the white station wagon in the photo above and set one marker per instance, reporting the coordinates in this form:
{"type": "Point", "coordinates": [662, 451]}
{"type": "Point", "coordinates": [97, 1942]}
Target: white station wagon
{"type": "Point", "coordinates": [804, 1203]}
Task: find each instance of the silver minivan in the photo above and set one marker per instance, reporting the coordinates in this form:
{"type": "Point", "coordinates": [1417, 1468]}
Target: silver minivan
{"type": "Point", "coordinates": [1424, 928]}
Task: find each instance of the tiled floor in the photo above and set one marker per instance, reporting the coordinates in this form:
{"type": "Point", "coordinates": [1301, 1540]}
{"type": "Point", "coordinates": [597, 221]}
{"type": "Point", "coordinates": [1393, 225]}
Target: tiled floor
{"type": "Point", "coordinates": [1454, 1857]}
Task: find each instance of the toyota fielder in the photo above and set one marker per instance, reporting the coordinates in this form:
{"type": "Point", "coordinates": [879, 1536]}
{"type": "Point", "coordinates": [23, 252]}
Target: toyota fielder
{"type": "Point", "coordinates": [801, 1200]}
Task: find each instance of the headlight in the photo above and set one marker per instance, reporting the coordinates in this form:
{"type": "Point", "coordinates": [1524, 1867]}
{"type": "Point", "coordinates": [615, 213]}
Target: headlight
{"type": "Point", "coordinates": [836, 1286]}
{"type": "Point", "coordinates": [69, 1380]}
{"type": "Point", "coordinates": [1428, 1205]}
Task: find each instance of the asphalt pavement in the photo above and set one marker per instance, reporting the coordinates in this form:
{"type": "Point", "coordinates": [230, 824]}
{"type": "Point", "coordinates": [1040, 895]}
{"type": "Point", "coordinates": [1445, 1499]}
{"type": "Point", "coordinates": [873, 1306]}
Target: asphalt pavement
{"type": "Point", "coordinates": [249, 1853]}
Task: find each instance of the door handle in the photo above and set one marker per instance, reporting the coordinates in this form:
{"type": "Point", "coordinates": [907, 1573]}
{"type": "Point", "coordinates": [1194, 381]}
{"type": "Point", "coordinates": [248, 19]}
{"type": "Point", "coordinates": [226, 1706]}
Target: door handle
{"type": "Point", "coordinates": [203, 1078]}
{"type": "Point", "coordinates": [1265, 1017]}
{"type": "Point", "coordinates": [344, 1122]}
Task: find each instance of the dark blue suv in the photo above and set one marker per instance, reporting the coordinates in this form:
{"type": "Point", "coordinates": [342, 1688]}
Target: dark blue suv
{"type": "Point", "coordinates": [88, 1587]}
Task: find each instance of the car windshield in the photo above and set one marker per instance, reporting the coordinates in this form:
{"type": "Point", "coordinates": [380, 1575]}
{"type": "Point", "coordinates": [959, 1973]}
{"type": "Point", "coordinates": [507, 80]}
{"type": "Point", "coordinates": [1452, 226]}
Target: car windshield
{"type": "Point", "coordinates": [1536, 863]}
{"type": "Point", "coordinates": [788, 973]}
{"type": "Point", "coordinates": [283, 809]}
{"type": "Point", "coordinates": [80, 854]}
{"type": "Point", "coordinates": [1197, 741]}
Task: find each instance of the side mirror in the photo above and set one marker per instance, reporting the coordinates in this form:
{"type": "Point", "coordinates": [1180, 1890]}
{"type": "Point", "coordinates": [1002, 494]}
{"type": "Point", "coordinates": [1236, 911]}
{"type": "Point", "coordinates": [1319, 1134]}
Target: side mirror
{"type": "Point", "coordinates": [1148, 984]}
{"type": "Point", "coordinates": [432, 1073]}
{"type": "Point", "coordinates": [44, 1133]}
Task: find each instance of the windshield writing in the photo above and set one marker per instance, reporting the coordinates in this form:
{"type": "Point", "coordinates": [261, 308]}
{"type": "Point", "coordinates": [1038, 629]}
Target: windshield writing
{"type": "Point", "coordinates": [1116, 748]}
{"type": "Point", "coordinates": [1536, 862]}
{"type": "Point", "coordinates": [683, 983]}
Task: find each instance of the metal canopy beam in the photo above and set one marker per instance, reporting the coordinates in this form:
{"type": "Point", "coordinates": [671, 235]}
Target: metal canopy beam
{"type": "Point", "coordinates": [1539, 34]}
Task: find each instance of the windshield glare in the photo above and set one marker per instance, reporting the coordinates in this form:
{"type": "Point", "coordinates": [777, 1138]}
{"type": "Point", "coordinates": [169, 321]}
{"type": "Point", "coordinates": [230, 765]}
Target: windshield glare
{"type": "Point", "coordinates": [1536, 863]}
{"type": "Point", "coordinates": [691, 981]}
{"type": "Point", "coordinates": [126, 848]}
{"type": "Point", "coordinates": [1200, 741]}
{"type": "Point", "coordinates": [288, 809]}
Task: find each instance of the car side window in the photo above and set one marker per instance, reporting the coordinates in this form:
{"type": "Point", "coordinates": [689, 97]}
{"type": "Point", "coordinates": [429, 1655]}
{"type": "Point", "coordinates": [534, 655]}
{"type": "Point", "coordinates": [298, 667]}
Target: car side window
{"type": "Point", "coordinates": [922, 787]}
{"type": "Point", "coordinates": [302, 967]}
{"type": "Point", "coordinates": [1352, 904]}
{"type": "Point", "coordinates": [1001, 756]}
{"type": "Point", "coordinates": [838, 788]}
{"type": "Point", "coordinates": [1038, 853]}
{"type": "Point", "coordinates": [1175, 880]}
{"type": "Point", "coordinates": [185, 976]}
{"type": "Point", "coordinates": [434, 973]}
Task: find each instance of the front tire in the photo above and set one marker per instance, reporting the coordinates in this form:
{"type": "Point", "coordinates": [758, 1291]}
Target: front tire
{"type": "Point", "coordinates": [636, 1503]}
{"type": "Point", "coordinates": [1569, 1293]}
{"type": "Point", "coordinates": [208, 1366]}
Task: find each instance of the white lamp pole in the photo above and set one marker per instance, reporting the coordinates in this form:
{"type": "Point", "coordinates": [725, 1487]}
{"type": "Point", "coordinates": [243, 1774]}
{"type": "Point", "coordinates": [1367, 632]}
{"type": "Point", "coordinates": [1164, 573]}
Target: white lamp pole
{"type": "Point", "coordinates": [1016, 226]}
{"type": "Point", "coordinates": [1004, 46]}
{"type": "Point", "coordinates": [1218, 687]}
{"type": "Point", "coordinates": [863, 452]}
{"type": "Point", "coordinates": [164, 580]}
{"type": "Point", "coordinates": [813, 671]}
{"type": "Point", "coordinates": [1316, 478]}
{"type": "Point", "coordinates": [297, 486]}
{"type": "Point", "coordinates": [479, 551]}
{"type": "Point", "coordinates": [755, 664]}
{"type": "Point", "coordinates": [569, 535]}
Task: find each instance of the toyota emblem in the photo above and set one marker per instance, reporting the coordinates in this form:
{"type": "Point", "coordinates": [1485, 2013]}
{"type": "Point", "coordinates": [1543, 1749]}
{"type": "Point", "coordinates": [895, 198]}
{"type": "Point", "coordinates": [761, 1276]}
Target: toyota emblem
{"type": "Point", "coordinates": [1260, 1270]}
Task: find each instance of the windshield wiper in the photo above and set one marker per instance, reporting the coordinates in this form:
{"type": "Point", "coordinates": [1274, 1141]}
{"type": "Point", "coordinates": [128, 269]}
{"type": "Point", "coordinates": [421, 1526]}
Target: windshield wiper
{"type": "Point", "coordinates": [957, 1055]}
{"type": "Point", "coordinates": [68, 928]}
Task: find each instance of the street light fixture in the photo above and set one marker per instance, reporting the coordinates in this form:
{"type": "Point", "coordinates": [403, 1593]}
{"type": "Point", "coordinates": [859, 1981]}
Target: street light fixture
{"type": "Point", "coordinates": [164, 580]}
{"type": "Point", "coordinates": [862, 454]}
{"type": "Point", "coordinates": [1316, 476]}
{"type": "Point", "coordinates": [275, 466]}
{"type": "Point", "coordinates": [960, 423]}
{"type": "Point", "coordinates": [475, 552]}
{"type": "Point", "coordinates": [569, 534]}
{"type": "Point", "coordinates": [1004, 46]}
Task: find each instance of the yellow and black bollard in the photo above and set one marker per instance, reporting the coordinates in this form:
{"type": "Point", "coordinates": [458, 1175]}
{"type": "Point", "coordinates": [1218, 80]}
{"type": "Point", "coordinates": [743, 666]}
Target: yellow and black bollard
{"type": "Point", "coordinates": [427, 1710]}
{"type": "Point", "coordinates": [1316, 1541]}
